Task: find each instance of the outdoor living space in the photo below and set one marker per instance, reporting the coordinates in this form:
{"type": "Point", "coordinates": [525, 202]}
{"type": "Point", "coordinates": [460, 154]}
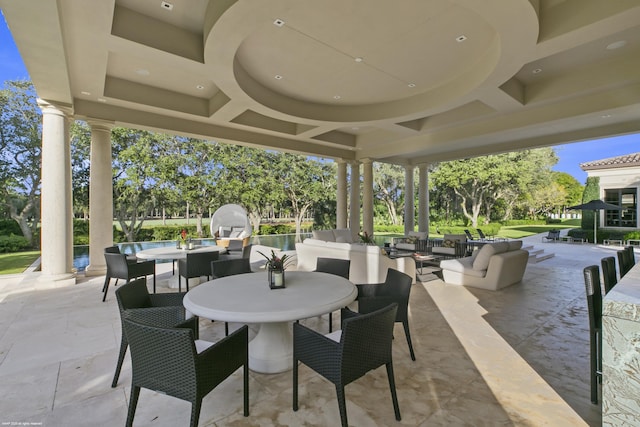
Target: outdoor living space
{"type": "Point", "coordinates": [518, 356]}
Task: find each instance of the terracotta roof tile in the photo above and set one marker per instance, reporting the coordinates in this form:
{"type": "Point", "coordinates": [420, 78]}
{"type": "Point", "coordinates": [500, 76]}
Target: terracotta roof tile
{"type": "Point", "coordinates": [627, 160]}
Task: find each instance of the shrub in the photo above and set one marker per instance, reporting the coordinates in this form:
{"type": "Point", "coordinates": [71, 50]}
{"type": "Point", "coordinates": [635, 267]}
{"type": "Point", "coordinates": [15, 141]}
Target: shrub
{"type": "Point", "coordinates": [13, 243]}
{"type": "Point", "coordinates": [266, 229]}
{"type": "Point", "coordinates": [550, 220]}
{"type": "Point", "coordinates": [8, 227]}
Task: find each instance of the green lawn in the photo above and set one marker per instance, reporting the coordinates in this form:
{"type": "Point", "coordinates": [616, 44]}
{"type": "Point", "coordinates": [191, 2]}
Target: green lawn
{"type": "Point", "coordinates": [17, 262]}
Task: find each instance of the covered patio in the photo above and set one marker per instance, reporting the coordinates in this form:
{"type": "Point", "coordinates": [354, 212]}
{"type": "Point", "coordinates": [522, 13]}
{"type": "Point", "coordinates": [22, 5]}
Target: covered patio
{"type": "Point", "coordinates": [514, 357]}
{"type": "Point", "coordinates": [407, 83]}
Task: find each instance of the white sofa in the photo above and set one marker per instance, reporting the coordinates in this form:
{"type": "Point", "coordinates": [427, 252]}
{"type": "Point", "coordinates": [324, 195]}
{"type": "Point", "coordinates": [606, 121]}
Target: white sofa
{"type": "Point", "coordinates": [493, 266]}
{"type": "Point", "coordinates": [368, 263]}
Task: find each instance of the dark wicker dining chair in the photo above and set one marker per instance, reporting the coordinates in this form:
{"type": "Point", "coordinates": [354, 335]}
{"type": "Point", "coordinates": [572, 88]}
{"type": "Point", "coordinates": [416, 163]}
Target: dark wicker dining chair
{"type": "Point", "coordinates": [164, 310]}
{"type": "Point", "coordinates": [119, 268]}
{"type": "Point", "coordinates": [195, 264]}
{"type": "Point", "coordinates": [396, 288]}
{"type": "Point", "coordinates": [338, 267]}
{"type": "Point", "coordinates": [229, 267]}
{"type": "Point", "coordinates": [365, 344]}
{"type": "Point", "coordinates": [626, 260]}
{"type": "Point", "coordinates": [170, 361]}
{"type": "Point", "coordinates": [609, 273]}
{"type": "Point", "coordinates": [594, 308]}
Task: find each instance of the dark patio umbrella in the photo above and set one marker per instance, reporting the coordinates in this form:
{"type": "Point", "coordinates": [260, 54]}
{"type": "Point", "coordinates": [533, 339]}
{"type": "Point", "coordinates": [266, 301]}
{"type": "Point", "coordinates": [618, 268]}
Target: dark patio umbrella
{"type": "Point", "coordinates": [595, 205]}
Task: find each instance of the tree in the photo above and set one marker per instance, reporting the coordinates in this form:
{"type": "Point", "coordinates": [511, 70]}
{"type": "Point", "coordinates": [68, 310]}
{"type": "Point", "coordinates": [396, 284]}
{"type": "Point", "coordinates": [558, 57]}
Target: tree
{"type": "Point", "coordinates": [80, 168]}
{"type": "Point", "coordinates": [591, 192]}
{"type": "Point", "coordinates": [480, 182]}
{"type": "Point", "coordinates": [573, 189]}
{"type": "Point", "coordinates": [195, 177]}
{"type": "Point", "coordinates": [20, 155]}
{"type": "Point", "coordinates": [246, 177]}
{"type": "Point", "coordinates": [388, 188]}
{"type": "Point", "coordinates": [135, 154]}
{"type": "Point", "coordinates": [304, 182]}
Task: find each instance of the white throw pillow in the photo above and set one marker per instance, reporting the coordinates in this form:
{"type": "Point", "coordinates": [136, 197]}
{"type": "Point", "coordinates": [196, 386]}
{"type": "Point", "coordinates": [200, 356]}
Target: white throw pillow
{"type": "Point", "coordinates": [421, 235]}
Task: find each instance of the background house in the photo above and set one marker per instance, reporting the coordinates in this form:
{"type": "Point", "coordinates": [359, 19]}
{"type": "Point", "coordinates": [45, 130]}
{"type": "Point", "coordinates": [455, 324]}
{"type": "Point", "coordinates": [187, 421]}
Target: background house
{"type": "Point", "coordinates": [619, 183]}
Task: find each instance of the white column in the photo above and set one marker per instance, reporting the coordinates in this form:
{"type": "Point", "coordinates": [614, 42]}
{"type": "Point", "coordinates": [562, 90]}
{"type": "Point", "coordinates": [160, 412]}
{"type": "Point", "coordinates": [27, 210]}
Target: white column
{"type": "Point", "coordinates": [100, 197]}
{"type": "Point", "coordinates": [56, 200]}
{"type": "Point", "coordinates": [409, 208]}
{"type": "Point", "coordinates": [367, 196]}
{"type": "Point", "coordinates": [423, 198]}
{"type": "Point", "coordinates": [354, 200]}
{"type": "Point", "coordinates": [341, 195]}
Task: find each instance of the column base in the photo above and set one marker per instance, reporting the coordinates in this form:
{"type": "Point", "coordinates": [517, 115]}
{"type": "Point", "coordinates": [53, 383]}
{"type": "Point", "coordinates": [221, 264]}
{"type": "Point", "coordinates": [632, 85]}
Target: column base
{"type": "Point", "coordinates": [50, 281]}
{"type": "Point", "coordinates": [95, 270]}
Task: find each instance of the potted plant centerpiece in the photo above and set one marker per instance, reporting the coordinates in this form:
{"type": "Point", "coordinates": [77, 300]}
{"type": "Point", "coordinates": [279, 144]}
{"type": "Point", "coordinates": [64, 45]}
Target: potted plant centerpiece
{"type": "Point", "coordinates": [184, 241]}
{"type": "Point", "coordinates": [275, 269]}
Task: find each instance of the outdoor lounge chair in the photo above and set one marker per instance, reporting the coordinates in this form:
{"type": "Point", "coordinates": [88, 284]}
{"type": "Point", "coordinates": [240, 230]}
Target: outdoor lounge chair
{"type": "Point", "coordinates": [552, 236]}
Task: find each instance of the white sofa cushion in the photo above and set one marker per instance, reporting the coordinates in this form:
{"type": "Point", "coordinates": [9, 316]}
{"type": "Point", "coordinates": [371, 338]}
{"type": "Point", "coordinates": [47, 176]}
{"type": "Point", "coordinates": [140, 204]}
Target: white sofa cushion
{"type": "Point", "coordinates": [342, 235]}
{"type": "Point", "coordinates": [324, 235]}
{"type": "Point", "coordinates": [462, 265]}
{"type": "Point", "coordinates": [485, 253]}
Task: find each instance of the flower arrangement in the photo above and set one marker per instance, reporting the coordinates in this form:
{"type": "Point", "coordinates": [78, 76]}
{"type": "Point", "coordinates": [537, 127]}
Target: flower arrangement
{"type": "Point", "coordinates": [274, 262]}
{"type": "Point", "coordinates": [366, 238]}
{"type": "Point", "coordinates": [184, 235]}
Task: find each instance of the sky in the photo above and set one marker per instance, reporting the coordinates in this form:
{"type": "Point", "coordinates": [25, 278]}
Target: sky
{"type": "Point", "coordinates": [570, 155]}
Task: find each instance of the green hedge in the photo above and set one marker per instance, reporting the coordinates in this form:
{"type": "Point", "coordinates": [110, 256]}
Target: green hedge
{"type": "Point", "coordinates": [13, 243]}
{"type": "Point", "coordinates": [267, 229]}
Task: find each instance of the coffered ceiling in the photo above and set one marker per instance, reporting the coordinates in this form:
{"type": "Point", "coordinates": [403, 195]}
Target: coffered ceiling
{"type": "Point", "coordinates": [405, 82]}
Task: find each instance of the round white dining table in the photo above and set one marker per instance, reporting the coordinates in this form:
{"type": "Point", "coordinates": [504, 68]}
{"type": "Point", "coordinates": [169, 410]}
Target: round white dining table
{"type": "Point", "coordinates": [247, 298]}
{"type": "Point", "coordinates": [173, 253]}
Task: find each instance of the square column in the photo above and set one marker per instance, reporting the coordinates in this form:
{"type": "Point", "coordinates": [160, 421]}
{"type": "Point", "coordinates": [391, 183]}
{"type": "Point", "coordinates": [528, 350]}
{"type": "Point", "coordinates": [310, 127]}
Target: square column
{"type": "Point", "coordinates": [423, 198]}
{"type": "Point", "coordinates": [367, 196]}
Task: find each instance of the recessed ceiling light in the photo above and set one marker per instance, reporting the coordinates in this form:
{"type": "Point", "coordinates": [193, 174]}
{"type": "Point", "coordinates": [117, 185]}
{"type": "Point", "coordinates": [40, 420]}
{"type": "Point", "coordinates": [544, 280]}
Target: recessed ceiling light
{"type": "Point", "coordinates": [277, 77]}
{"type": "Point", "coordinates": [411, 85]}
{"type": "Point", "coordinates": [278, 22]}
{"type": "Point", "coordinates": [537, 71]}
{"type": "Point", "coordinates": [355, 128]}
{"type": "Point", "coordinates": [200, 87]}
{"type": "Point", "coordinates": [336, 97]}
{"type": "Point", "coordinates": [102, 100]}
{"type": "Point", "coordinates": [358, 59]}
{"type": "Point", "coordinates": [166, 6]}
{"type": "Point", "coordinates": [616, 45]}
{"type": "Point", "coordinates": [84, 92]}
{"type": "Point", "coordinates": [605, 116]}
{"type": "Point", "coordinates": [142, 72]}
{"type": "Point", "coordinates": [461, 38]}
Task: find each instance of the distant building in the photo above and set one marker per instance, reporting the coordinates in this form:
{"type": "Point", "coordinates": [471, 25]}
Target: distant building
{"type": "Point", "coordinates": [619, 185]}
